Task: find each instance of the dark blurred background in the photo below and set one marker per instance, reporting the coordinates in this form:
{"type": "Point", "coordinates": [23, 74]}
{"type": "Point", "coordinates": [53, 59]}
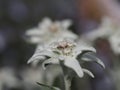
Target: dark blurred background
{"type": "Point", "coordinates": [16, 16]}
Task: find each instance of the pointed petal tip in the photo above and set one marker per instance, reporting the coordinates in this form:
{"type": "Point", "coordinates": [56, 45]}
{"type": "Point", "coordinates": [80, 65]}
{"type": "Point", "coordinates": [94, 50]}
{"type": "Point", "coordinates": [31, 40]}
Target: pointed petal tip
{"type": "Point", "coordinates": [29, 61]}
{"type": "Point", "coordinates": [88, 72]}
{"type": "Point", "coordinates": [101, 63]}
{"type": "Point", "coordinates": [92, 76]}
{"type": "Point", "coordinates": [90, 57]}
{"type": "Point", "coordinates": [80, 74]}
{"type": "Point", "coordinates": [75, 66]}
{"type": "Point", "coordinates": [43, 66]}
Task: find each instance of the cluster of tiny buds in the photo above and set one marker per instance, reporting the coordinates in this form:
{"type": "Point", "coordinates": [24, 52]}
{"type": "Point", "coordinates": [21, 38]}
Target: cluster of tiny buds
{"type": "Point", "coordinates": [65, 47]}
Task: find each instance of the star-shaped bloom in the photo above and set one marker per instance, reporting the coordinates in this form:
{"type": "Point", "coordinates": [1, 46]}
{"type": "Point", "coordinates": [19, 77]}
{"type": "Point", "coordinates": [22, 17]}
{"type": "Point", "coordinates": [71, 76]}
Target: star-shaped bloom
{"type": "Point", "coordinates": [48, 31]}
{"type": "Point", "coordinates": [66, 51]}
{"type": "Point", "coordinates": [105, 30]}
{"type": "Point", "coordinates": [108, 30]}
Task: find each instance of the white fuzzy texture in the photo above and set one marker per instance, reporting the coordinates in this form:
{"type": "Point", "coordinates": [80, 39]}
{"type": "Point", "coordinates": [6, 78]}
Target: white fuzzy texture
{"type": "Point", "coordinates": [108, 30]}
{"type": "Point", "coordinates": [66, 51]}
{"type": "Point", "coordinates": [105, 30]}
{"type": "Point", "coordinates": [48, 31]}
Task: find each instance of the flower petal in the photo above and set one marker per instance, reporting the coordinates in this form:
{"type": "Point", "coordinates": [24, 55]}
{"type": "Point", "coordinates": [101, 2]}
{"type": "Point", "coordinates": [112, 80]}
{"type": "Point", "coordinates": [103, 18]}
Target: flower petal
{"type": "Point", "coordinates": [40, 55]}
{"type": "Point", "coordinates": [33, 32]}
{"type": "Point", "coordinates": [66, 24]}
{"type": "Point", "coordinates": [49, 61]}
{"type": "Point", "coordinates": [74, 64]}
{"type": "Point", "coordinates": [35, 63]}
{"type": "Point", "coordinates": [88, 72]}
{"type": "Point", "coordinates": [79, 49]}
{"type": "Point", "coordinates": [46, 22]}
{"type": "Point", "coordinates": [68, 34]}
{"type": "Point", "coordinates": [89, 56]}
{"type": "Point", "coordinates": [106, 29]}
{"type": "Point", "coordinates": [35, 40]}
{"type": "Point", "coordinates": [43, 52]}
{"type": "Point", "coordinates": [36, 58]}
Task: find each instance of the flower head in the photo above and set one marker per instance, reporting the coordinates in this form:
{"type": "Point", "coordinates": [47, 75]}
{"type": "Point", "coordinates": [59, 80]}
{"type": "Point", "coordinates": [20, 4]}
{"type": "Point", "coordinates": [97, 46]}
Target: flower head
{"type": "Point", "coordinates": [108, 30]}
{"type": "Point", "coordinates": [48, 31]}
{"type": "Point", "coordinates": [66, 51]}
{"type": "Point", "coordinates": [105, 30]}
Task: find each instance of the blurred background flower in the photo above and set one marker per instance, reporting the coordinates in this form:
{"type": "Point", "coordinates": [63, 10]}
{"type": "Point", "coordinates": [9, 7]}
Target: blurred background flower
{"type": "Point", "coordinates": [17, 16]}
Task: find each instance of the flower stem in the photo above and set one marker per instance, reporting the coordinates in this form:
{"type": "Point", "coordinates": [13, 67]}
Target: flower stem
{"type": "Point", "coordinates": [67, 83]}
{"type": "Point", "coordinates": [67, 77]}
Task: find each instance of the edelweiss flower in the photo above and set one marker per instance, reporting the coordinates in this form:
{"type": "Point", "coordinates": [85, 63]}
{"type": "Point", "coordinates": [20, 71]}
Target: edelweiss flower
{"type": "Point", "coordinates": [108, 30]}
{"type": "Point", "coordinates": [66, 51]}
{"type": "Point", "coordinates": [48, 31]}
{"type": "Point", "coordinates": [105, 30]}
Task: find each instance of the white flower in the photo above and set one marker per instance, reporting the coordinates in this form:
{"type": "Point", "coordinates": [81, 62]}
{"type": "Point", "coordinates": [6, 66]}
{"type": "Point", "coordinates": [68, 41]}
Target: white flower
{"type": "Point", "coordinates": [66, 51]}
{"type": "Point", "coordinates": [105, 30]}
{"type": "Point", "coordinates": [108, 30]}
{"type": "Point", "coordinates": [48, 31]}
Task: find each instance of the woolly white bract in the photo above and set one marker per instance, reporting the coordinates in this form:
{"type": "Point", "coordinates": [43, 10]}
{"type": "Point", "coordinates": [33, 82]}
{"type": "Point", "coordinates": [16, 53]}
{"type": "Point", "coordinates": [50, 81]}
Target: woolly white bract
{"type": "Point", "coordinates": [48, 31]}
{"type": "Point", "coordinates": [66, 51]}
{"type": "Point", "coordinates": [105, 30]}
